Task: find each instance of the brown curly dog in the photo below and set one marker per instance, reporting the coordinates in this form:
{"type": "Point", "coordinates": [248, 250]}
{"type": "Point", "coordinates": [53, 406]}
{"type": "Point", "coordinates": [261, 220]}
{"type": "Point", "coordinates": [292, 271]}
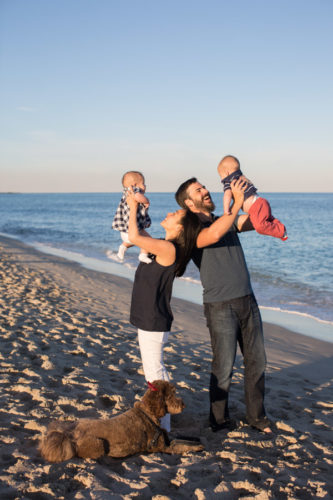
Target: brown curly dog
{"type": "Point", "coordinates": [135, 431]}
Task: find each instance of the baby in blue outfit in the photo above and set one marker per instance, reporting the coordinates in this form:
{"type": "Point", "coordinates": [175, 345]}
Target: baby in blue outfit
{"type": "Point", "coordinates": [258, 208]}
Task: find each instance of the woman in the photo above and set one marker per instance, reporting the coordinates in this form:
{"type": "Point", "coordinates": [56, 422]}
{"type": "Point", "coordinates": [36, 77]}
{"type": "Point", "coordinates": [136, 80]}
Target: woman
{"type": "Point", "coordinates": [150, 307]}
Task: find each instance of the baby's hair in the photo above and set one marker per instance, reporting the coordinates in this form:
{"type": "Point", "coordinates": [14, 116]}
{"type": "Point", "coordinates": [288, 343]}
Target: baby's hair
{"type": "Point", "coordinates": [132, 172]}
{"type": "Point", "coordinates": [232, 157]}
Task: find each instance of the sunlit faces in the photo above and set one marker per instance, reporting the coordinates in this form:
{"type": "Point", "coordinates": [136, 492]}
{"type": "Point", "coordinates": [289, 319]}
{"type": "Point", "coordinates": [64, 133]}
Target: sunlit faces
{"type": "Point", "coordinates": [199, 197]}
{"type": "Point", "coordinates": [172, 221]}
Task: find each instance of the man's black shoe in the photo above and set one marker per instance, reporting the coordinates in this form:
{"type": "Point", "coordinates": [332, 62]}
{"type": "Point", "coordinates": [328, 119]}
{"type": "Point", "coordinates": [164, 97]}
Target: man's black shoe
{"type": "Point", "coordinates": [229, 425]}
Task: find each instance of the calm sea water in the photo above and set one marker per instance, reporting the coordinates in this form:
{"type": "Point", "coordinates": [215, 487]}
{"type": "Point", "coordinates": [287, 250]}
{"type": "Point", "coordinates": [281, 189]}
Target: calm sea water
{"type": "Point", "coordinates": [293, 276]}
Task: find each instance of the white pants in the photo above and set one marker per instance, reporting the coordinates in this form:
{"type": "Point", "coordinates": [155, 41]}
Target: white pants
{"type": "Point", "coordinates": [151, 348]}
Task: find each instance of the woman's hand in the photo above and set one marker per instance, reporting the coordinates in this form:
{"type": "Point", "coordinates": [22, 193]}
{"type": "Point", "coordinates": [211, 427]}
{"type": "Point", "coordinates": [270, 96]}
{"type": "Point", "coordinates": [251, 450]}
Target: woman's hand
{"type": "Point", "coordinates": [131, 201]}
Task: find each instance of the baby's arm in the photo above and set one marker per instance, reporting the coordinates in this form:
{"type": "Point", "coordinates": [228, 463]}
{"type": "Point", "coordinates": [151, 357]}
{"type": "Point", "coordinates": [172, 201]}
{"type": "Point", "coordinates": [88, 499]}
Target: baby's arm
{"type": "Point", "coordinates": [227, 197]}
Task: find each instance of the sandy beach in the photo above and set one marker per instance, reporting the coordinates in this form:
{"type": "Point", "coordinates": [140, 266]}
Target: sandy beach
{"type": "Point", "coordinates": [68, 351]}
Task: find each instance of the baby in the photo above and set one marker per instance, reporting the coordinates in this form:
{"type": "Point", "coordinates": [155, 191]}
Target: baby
{"type": "Point", "coordinates": [135, 181]}
{"type": "Point", "coordinates": [258, 208]}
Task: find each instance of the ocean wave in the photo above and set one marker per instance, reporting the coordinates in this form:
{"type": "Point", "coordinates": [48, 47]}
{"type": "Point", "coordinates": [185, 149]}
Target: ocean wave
{"type": "Point", "coordinates": [190, 280]}
{"type": "Point", "coordinates": [297, 313]}
{"type": "Point", "coordinates": [42, 233]}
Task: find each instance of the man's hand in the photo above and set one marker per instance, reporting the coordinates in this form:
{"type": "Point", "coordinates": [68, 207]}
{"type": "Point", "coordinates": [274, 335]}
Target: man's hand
{"type": "Point", "coordinates": [245, 179]}
{"type": "Point", "coordinates": [237, 188]}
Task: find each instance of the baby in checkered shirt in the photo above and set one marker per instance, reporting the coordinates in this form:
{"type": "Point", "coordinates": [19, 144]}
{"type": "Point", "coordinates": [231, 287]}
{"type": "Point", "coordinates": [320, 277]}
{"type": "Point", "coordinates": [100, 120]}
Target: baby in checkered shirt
{"type": "Point", "coordinates": [136, 182]}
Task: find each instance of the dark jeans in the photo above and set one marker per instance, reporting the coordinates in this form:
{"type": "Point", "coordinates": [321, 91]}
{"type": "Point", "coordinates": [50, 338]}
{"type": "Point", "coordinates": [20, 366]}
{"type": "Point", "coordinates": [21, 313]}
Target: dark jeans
{"type": "Point", "coordinates": [229, 322]}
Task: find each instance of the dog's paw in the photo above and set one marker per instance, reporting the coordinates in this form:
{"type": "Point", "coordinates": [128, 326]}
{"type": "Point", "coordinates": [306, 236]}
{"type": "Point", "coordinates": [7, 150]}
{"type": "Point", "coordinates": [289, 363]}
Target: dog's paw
{"type": "Point", "coordinates": [184, 446]}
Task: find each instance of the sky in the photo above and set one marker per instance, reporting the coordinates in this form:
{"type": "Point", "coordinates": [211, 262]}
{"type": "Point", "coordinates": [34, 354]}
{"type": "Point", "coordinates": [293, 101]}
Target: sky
{"type": "Point", "coordinates": [90, 89]}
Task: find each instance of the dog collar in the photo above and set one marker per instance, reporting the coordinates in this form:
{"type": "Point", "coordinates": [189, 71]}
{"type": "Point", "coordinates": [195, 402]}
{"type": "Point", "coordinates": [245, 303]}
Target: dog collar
{"type": "Point", "coordinates": [152, 387]}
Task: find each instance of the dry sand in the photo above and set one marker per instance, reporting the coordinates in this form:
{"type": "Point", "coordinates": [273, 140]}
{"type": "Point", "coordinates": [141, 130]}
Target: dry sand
{"type": "Point", "coordinates": [68, 351]}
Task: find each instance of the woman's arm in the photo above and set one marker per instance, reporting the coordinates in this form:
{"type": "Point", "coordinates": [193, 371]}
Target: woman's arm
{"type": "Point", "coordinates": [164, 250]}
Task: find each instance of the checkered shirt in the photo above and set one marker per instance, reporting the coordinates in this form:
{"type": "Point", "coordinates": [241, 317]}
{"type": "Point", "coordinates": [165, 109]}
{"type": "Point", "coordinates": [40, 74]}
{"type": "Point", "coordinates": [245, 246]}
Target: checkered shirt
{"type": "Point", "coordinates": [120, 220]}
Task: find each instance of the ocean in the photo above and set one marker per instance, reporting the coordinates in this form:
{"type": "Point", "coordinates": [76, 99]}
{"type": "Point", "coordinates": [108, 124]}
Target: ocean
{"type": "Point", "coordinates": [292, 280]}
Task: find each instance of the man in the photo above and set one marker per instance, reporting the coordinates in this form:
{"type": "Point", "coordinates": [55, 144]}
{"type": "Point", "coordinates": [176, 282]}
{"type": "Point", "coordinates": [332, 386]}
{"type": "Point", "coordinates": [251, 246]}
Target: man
{"type": "Point", "coordinates": [230, 307]}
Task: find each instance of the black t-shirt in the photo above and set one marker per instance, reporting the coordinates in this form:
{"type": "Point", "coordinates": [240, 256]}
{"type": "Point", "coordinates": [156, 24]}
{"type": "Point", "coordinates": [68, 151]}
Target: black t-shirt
{"type": "Point", "coordinates": [151, 295]}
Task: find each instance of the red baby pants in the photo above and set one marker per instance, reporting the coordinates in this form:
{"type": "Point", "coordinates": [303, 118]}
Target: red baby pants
{"type": "Point", "coordinates": [263, 221]}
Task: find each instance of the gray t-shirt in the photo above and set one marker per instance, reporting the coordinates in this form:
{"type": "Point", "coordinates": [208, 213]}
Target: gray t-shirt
{"type": "Point", "coordinates": [223, 270]}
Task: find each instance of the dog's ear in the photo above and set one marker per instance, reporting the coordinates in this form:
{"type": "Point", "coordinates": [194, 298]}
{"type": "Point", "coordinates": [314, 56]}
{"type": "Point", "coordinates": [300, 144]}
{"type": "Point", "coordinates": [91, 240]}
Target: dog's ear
{"type": "Point", "coordinates": [162, 385]}
{"type": "Point", "coordinates": [155, 397]}
{"type": "Point", "coordinates": [166, 389]}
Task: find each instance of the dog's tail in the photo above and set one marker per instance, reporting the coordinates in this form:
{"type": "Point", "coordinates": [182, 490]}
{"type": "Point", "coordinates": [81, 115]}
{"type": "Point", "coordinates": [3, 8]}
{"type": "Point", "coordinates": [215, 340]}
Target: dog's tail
{"type": "Point", "coordinates": [58, 444]}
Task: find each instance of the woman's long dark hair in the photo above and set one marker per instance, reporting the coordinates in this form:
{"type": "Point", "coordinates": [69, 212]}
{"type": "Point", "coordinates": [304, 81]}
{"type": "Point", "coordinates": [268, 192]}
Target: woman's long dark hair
{"type": "Point", "coordinates": [186, 241]}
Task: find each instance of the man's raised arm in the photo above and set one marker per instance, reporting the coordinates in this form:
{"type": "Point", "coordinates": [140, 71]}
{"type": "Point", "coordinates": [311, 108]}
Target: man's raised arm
{"type": "Point", "coordinates": [212, 234]}
{"type": "Point", "coordinates": [244, 223]}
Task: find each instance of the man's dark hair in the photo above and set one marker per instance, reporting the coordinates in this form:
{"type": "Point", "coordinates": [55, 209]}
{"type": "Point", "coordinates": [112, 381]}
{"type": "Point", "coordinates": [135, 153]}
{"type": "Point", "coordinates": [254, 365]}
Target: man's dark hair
{"type": "Point", "coordinates": [181, 193]}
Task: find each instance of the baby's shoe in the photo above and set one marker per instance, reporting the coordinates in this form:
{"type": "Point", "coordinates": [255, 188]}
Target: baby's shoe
{"type": "Point", "coordinates": [143, 257]}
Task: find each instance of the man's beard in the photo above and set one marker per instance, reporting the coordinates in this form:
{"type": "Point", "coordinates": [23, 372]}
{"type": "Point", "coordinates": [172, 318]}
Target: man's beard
{"type": "Point", "coordinates": [202, 206]}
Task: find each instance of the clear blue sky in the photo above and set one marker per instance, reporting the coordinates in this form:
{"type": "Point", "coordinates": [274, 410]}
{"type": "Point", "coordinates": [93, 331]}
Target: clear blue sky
{"type": "Point", "coordinates": [92, 88]}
